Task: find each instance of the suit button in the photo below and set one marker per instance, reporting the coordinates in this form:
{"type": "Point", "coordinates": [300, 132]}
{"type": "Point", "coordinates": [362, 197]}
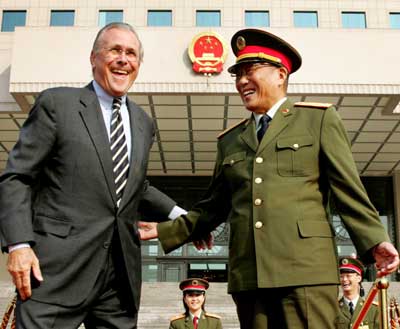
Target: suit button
{"type": "Point", "coordinates": [258, 180]}
{"type": "Point", "coordinates": [259, 160]}
{"type": "Point", "coordinates": [106, 245]}
{"type": "Point", "coordinates": [258, 224]}
{"type": "Point", "coordinates": [257, 202]}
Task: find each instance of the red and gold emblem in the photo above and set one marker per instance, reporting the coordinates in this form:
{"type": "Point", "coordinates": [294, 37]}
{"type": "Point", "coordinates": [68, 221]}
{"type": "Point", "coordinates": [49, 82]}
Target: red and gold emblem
{"type": "Point", "coordinates": [208, 53]}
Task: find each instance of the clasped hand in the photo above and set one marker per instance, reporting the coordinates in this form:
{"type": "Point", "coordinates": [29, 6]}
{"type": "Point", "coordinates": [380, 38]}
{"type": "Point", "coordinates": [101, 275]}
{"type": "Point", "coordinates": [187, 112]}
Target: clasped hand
{"type": "Point", "coordinates": [148, 230]}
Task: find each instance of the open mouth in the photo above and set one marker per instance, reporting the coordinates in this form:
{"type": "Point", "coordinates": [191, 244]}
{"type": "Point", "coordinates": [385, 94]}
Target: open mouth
{"type": "Point", "coordinates": [248, 92]}
{"type": "Point", "coordinates": [120, 72]}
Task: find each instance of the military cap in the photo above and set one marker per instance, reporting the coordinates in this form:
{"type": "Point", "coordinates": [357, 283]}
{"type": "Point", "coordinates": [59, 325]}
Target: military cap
{"type": "Point", "coordinates": [253, 45]}
{"type": "Point", "coordinates": [194, 284]}
{"type": "Point", "coordinates": [351, 264]}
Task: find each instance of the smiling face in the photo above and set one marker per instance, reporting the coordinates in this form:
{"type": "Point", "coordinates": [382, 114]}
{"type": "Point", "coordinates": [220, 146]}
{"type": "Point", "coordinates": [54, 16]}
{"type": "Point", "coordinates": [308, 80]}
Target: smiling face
{"type": "Point", "coordinates": [114, 67]}
{"type": "Point", "coordinates": [194, 301]}
{"type": "Point", "coordinates": [350, 283]}
{"type": "Point", "coordinates": [260, 85]}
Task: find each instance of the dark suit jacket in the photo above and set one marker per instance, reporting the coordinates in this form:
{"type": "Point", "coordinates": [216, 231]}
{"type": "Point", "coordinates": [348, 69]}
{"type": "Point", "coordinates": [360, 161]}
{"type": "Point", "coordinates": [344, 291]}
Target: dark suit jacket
{"type": "Point", "coordinates": [345, 319]}
{"type": "Point", "coordinates": [274, 195]}
{"type": "Point", "coordinates": [58, 193]}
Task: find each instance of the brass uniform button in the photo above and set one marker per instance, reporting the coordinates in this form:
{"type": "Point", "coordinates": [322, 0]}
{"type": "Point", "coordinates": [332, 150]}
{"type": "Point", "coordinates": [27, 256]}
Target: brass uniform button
{"type": "Point", "coordinates": [258, 180]}
{"type": "Point", "coordinates": [259, 160]}
{"type": "Point", "coordinates": [258, 224]}
{"type": "Point", "coordinates": [296, 146]}
{"type": "Point", "coordinates": [257, 202]}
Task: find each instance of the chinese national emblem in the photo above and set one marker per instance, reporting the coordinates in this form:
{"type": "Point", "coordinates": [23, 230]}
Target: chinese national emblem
{"type": "Point", "coordinates": [207, 53]}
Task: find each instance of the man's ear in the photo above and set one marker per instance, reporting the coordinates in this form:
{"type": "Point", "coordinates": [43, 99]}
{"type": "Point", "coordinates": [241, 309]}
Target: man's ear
{"type": "Point", "coordinates": [92, 57]}
{"type": "Point", "coordinates": [283, 73]}
{"type": "Point", "coordinates": [359, 278]}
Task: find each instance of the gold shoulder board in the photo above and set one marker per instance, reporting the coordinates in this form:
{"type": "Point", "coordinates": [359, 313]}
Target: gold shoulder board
{"type": "Point", "coordinates": [177, 317]}
{"type": "Point", "coordinates": [212, 315]}
{"type": "Point", "coordinates": [310, 104]}
{"type": "Point", "coordinates": [232, 127]}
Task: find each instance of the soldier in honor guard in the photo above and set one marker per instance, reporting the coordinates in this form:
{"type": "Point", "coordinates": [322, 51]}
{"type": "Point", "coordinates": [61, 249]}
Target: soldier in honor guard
{"type": "Point", "coordinates": [274, 174]}
{"type": "Point", "coordinates": [351, 275]}
{"type": "Point", "coordinates": [195, 316]}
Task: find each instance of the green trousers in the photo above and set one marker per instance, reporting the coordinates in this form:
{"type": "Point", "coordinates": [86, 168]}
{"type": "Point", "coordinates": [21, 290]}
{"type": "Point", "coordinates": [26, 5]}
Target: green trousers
{"type": "Point", "coordinates": [307, 307]}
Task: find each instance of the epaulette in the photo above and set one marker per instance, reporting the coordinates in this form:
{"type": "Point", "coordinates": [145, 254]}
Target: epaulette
{"type": "Point", "coordinates": [177, 317]}
{"type": "Point", "coordinates": [311, 104]}
{"type": "Point", "coordinates": [232, 127]}
{"type": "Point", "coordinates": [212, 315]}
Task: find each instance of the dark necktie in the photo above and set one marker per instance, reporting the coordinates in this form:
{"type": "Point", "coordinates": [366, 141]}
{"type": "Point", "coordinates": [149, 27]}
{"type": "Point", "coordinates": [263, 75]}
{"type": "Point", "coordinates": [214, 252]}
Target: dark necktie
{"type": "Point", "coordinates": [119, 149]}
{"type": "Point", "coordinates": [264, 122]}
{"type": "Point", "coordinates": [195, 322]}
{"type": "Point", "coordinates": [351, 309]}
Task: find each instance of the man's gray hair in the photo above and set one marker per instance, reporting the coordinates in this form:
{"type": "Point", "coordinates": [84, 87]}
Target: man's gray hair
{"type": "Point", "coordinates": [116, 25]}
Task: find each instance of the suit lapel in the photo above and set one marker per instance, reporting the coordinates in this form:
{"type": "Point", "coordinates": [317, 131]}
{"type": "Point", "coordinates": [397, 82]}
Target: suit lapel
{"type": "Point", "coordinates": [137, 150]}
{"type": "Point", "coordinates": [345, 309]}
{"type": "Point", "coordinates": [249, 134]}
{"type": "Point", "coordinates": [188, 322]}
{"type": "Point", "coordinates": [94, 122]}
{"type": "Point", "coordinates": [202, 322]}
{"type": "Point", "coordinates": [281, 119]}
{"type": "Point", "coordinates": [357, 309]}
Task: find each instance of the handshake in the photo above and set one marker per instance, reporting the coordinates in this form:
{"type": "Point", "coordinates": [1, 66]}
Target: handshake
{"type": "Point", "coordinates": [148, 231]}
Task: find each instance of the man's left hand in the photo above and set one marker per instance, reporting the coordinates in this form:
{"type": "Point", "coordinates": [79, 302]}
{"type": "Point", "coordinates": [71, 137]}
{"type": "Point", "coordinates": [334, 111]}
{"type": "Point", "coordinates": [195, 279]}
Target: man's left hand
{"type": "Point", "coordinates": [386, 258]}
{"type": "Point", "coordinates": [206, 243]}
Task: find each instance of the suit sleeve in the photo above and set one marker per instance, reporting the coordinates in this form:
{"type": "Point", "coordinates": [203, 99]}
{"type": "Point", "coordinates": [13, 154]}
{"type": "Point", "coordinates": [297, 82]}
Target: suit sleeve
{"type": "Point", "coordinates": [356, 210]}
{"type": "Point", "coordinates": [155, 205]}
{"type": "Point", "coordinates": [22, 173]}
{"type": "Point", "coordinates": [205, 216]}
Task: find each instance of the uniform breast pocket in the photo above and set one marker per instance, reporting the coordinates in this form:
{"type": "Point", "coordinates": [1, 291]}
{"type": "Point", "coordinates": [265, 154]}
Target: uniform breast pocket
{"type": "Point", "coordinates": [295, 155]}
{"type": "Point", "coordinates": [235, 167]}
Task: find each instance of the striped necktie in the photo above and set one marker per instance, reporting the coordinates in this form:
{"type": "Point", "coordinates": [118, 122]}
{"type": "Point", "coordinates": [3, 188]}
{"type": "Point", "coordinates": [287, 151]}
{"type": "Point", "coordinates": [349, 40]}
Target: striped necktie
{"type": "Point", "coordinates": [263, 125]}
{"type": "Point", "coordinates": [119, 149]}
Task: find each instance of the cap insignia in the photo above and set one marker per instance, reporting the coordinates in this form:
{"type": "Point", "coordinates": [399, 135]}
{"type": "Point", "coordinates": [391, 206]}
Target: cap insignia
{"type": "Point", "coordinates": [240, 42]}
{"type": "Point", "coordinates": [345, 261]}
{"type": "Point", "coordinates": [195, 282]}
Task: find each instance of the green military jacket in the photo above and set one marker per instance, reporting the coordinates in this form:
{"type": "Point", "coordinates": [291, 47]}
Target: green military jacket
{"type": "Point", "coordinates": [206, 321]}
{"type": "Point", "coordinates": [345, 319]}
{"type": "Point", "coordinates": [274, 196]}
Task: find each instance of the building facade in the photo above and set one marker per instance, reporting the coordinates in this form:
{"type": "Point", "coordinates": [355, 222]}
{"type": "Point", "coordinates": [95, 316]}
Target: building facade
{"type": "Point", "coordinates": [350, 58]}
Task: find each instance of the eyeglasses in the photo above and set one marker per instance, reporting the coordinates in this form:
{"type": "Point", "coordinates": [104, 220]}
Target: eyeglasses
{"type": "Point", "coordinates": [347, 275]}
{"type": "Point", "coordinates": [115, 52]}
{"type": "Point", "coordinates": [248, 70]}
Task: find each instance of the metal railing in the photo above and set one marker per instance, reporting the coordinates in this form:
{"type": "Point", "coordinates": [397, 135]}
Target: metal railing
{"type": "Point", "coordinates": [379, 287]}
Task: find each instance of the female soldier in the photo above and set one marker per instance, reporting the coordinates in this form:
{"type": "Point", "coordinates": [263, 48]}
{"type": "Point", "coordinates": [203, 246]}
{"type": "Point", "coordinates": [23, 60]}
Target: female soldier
{"type": "Point", "coordinates": [195, 316]}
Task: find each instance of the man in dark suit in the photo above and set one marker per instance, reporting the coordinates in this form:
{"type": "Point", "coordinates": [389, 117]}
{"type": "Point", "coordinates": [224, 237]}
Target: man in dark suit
{"type": "Point", "coordinates": [69, 199]}
{"type": "Point", "coordinates": [273, 186]}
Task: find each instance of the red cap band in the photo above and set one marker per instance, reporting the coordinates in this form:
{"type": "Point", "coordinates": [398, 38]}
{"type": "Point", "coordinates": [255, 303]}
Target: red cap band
{"type": "Point", "coordinates": [202, 288]}
{"type": "Point", "coordinates": [285, 61]}
{"type": "Point", "coordinates": [350, 267]}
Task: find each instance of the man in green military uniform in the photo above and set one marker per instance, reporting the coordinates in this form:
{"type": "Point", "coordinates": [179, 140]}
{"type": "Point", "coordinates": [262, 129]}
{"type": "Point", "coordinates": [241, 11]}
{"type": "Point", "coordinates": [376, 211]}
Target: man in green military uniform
{"type": "Point", "coordinates": [351, 275]}
{"type": "Point", "coordinates": [272, 185]}
{"type": "Point", "coordinates": [195, 316]}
